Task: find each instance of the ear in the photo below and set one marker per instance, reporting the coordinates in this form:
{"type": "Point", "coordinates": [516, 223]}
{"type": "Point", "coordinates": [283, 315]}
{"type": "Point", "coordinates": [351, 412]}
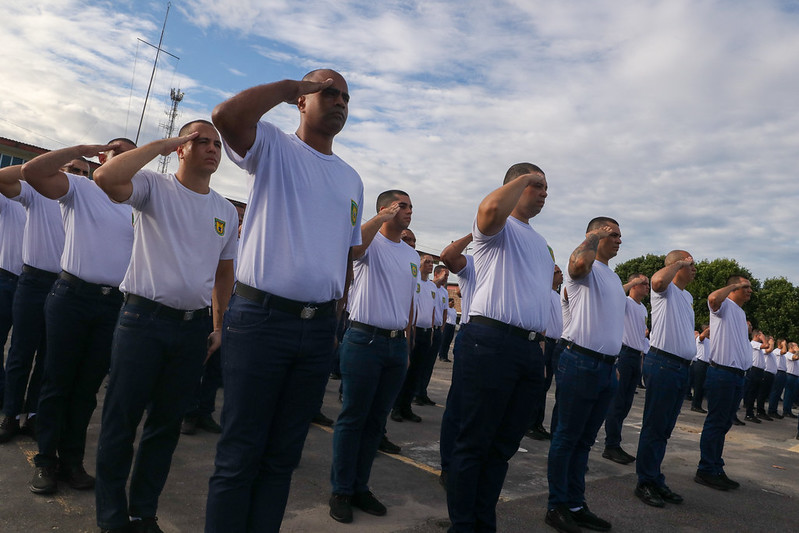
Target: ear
{"type": "Point", "coordinates": [301, 103]}
{"type": "Point", "coordinates": [102, 157]}
{"type": "Point", "coordinates": [179, 151]}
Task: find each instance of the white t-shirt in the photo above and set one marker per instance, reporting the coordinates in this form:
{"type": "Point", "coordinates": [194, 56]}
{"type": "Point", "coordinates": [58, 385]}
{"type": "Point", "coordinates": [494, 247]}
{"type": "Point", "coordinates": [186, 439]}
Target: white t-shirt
{"type": "Point", "coordinates": [782, 361]}
{"type": "Point", "coordinates": [442, 297]}
{"type": "Point", "coordinates": [452, 315]}
{"type": "Point", "coordinates": [771, 361]}
{"type": "Point", "coordinates": [703, 350]}
{"type": "Point", "coordinates": [673, 322]}
{"type": "Point", "coordinates": [555, 325]}
{"type": "Point", "coordinates": [426, 292]}
{"type": "Point", "coordinates": [43, 241]}
{"type": "Point", "coordinates": [564, 309]}
{"type": "Point", "coordinates": [384, 284]}
{"type": "Point", "coordinates": [791, 366]}
{"type": "Point", "coordinates": [179, 238]}
{"type": "Point", "coordinates": [92, 222]}
{"type": "Point", "coordinates": [597, 308]}
{"type": "Point", "coordinates": [729, 341]}
{"type": "Point", "coordinates": [635, 326]}
{"type": "Point", "coordinates": [466, 284]}
{"type": "Point", "coordinates": [303, 215]}
{"type": "Point", "coordinates": [758, 355]}
{"type": "Point", "coordinates": [12, 228]}
{"type": "Point", "coordinates": [514, 276]}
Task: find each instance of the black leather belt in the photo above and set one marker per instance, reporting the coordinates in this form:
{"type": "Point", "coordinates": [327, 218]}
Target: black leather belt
{"type": "Point", "coordinates": [630, 350]}
{"type": "Point", "coordinates": [390, 333]}
{"type": "Point", "coordinates": [513, 330]}
{"type": "Point", "coordinates": [164, 311]}
{"type": "Point", "coordinates": [39, 272]}
{"type": "Point", "coordinates": [736, 371]}
{"type": "Point", "coordinates": [783, 371]}
{"type": "Point", "coordinates": [305, 311]}
{"type": "Point", "coordinates": [669, 355]}
{"type": "Point", "coordinates": [423, 330]}
{"type": "Point", "coordinates": [569, 345]}
{"type": "Point", "coordinates": [6, 274]}
{"type": "Point", "coordinates": [83, 286]}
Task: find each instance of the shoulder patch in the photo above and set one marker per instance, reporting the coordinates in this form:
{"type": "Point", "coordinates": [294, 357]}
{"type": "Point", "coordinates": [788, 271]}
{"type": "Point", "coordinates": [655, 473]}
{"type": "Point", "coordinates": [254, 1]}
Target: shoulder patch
{"type": "Point", "coordinates": [414, 270]}
{"type": "Point", "coordinates": [219, 226]}
{"type": "Point", "coordinates": [353, 212]}
{"type": "Point", "coordinates": [418, 288]}
{"type": "Point", "coordinates": [433, 294]}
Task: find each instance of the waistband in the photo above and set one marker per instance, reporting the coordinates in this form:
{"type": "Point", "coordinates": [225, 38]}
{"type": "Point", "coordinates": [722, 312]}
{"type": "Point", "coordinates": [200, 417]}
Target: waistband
{"type": "Point", "coordinates": [513, 330]}
{"type": "Point", "coordinates": [423, 330]}
{"type": "Point", "coordinates": [85, 287]}
{"type": "Point", "coordinates": [6, 274]}
{"type": "Point", "coordinates": [669, 355]}
{"type": "Point", "coordinates": [627, 350]}
{"type": "Point", "coordinates": [390, 333]}
{"type": "Point", "coordinates": [38, 272]}
{"type": "Point", "coordinates": [303, 310]}
{"type": "Point", "coordinates": [737, 371]}
{"type": "Point", "coordinates": [164, 311]}
{"type": "Point", "coordinates": [569, 345]}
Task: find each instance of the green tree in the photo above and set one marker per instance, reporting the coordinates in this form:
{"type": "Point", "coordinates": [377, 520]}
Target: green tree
{"type": "Point", "coordinates": [777, 308]}
{"type": "Point", "coordinates": [712, 275]}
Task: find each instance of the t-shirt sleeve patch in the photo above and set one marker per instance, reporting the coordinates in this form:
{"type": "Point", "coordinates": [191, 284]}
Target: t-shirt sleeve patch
{"type": "Point", "coordinates": [219, 226]}
{"type": "Point", "coordinates": [414, 270]}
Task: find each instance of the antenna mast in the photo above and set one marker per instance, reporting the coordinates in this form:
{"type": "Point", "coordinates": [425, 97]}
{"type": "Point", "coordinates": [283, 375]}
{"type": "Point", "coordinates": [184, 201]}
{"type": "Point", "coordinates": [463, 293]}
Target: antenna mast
{"type": "Point", "coordinates": [169, 126]}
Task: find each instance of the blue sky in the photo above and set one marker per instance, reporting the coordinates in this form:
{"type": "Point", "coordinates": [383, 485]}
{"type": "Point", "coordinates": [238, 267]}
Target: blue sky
{"type": "Point", "coordinates": [676, 117]}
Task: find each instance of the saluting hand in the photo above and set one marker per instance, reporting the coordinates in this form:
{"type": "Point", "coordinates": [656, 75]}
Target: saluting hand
{"type": "Point", "coordinates": [309, 87]}
{"type": "Point", "coordinates": [602, 232]}
{"type": "Point", "coordinates": [387, 213]}
{"type": "Point", "coordinates": [92, 150]}
{"type": "Point", "coordinates": [170, 145]}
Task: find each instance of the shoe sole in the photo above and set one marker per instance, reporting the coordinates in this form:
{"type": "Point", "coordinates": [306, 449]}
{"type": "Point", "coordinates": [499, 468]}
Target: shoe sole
{"type": "Point", "coordinates": [560, 529]}
{"type": "Point", "coordinates": [343, 520]}
{"type": "Point", "coordinates": [591, 527]}
{"type": "Point", "coordinates": [48, 490]}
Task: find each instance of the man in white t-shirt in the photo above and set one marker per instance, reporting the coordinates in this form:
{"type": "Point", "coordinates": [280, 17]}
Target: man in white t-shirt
{"type": "Point", "coordinates": [501, 363]}
{"type": "Point", "coordinates": [761, 349]}
{"type": "Point", "coordinates": [449, 331]}
{"type": "Point", "coordinates": [42, 245]}
{"type": "Point", "coordinates": [667, 373]}
{"type": "Point", "coordinates": [303, 217]}
{"type": "Point", "coordinates": [182, 262]}
{"type": "Point", "coordinates": [769, 373]}
{"type": "Point", "coordinates": [730, 356]}
{"type": "Point", "coordinates": [462, 266]}
{"type": "Point", "coordinates": [81, 310]}
{"type": "Point", "coordinates": [440, 276]}
{"type": "Point", "coordinates": [628, 366]}
{"type": "Point", "coordinates": [791, 380]}
{"type": "Point", "coordinates": [779, 380]}
{"type": "Point", "coordinates": [12, 228]}
{"type": "Point", "coordinates": [699, 368]}
{"type": "Point", "coordinates": [374, 352]}
{"type": "Point", "coordinates": [586, 375]}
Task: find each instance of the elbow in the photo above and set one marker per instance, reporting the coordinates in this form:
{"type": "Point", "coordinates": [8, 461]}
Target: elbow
{"type": "Point", "coordinates": [99, 178]}
{"type": "Point", "coordinates": [221, 118]}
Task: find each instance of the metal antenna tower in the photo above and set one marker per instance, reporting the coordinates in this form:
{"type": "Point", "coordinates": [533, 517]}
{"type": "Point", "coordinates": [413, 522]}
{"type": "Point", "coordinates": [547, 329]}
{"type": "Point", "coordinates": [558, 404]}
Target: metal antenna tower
{"type": "Point", "coordinates": [169, 126]}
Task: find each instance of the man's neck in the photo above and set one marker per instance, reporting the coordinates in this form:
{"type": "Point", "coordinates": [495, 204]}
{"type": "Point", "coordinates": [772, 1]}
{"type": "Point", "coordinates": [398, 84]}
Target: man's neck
{"type": "Point", "coordinates": [199, 183]}
{"type": "Point", "coordinates": [390, 232]}
{"type": "Point", "coordinates": [319, 142]}
{"type": "Point", "coordinates": [425, 276]}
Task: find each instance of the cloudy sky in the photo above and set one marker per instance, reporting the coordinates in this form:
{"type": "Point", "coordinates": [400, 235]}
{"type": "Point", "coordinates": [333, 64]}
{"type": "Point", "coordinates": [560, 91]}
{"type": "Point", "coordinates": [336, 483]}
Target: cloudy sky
{"type": "Point", "coordinates": [679, 118]}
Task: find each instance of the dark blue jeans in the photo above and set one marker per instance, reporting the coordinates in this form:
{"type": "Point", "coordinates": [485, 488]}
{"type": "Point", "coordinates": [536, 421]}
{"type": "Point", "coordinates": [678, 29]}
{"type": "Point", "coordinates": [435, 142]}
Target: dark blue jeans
{"type": "Point", "coordinates": [776, 391]}
{"type": "Point", "coordinates": [429, 363]}
{"type": "Point", "coordinates": [204, 401]}
{"type": "Point", "coordinates": [550, 345]}
{"type": "Point", "coordinates": [449, 420]}
{"type": "Point", "coordinates": [724, 390]}
{"type": "Point", "coordinates": [80, 328]}
{"type": "Point", "coordinates": [698, 373]}
{"type": "Point", "coordinates": [791, 387]}
{"type": "Point", "coordinates": [500, 375]}
{"type": "Point", "coordinates": [446, 340]}
{"type": "Point", "coordinates": [8, 286]}
{"type": "Point", "coordinates": [628, 367]}
{"type": "Point", "coordinates": [372, 370]}
{"type": "Point", "coordinates": [754, 380]}
{"type": "Point", "coordinates": [27, 340]}
{"type": "Point", "coordinates": [585, 386]}
{"type": "Point", "coordinates": [275, 367]}
{"type": "Point", "coordinates": [666, 382]}
{"type": "Point", "coordinates": [155, 364]}
{"type": "Point", "coordinates": [413, 376]}
{"type": "Point", "coordinates": [764, 391]}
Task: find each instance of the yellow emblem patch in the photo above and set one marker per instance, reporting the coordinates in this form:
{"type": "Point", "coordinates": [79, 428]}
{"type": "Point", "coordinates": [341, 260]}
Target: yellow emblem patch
{"type": "Point", "coordinates": [418, 288]}
{"type": "Point", "coordinates": [219, 226]}
{"type": "Point", "coordinates": [353, 212]}
{"type": "Point", "coordinates": [414, 270]}
{"type": "Point", "coordinates": [433, 294]}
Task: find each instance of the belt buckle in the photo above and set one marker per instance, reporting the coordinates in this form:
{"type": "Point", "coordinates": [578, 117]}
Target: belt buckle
{"type": "Point", "coordinates": [188, 315]}
{"type": "Point", "coordinates": [531, 336]}
{"type": "Point", "coordinates": [105, 290]}
{"type": "Point", "coordinates": [394, 333]}
{"type": "Point", "coordinates": [308, 312]}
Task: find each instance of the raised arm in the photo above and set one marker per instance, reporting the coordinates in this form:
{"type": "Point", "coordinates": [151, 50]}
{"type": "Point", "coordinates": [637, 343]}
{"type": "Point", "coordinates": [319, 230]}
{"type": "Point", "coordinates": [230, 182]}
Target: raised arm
{"type": "Point", "coordinates": [115, 176]}
{"type": "Point", "coordinates": [370, 228]}
{"type": "Point", "coordinates": [9, 181]}
{"type": "Point", "coordinates": [44, 172]}
{"type": "Point", "coordinates": [664, 276]}
{"type": "Point", "coordinates": [452, 256]}
{"type": "Point", "coordinates": [495, 208]}
{"type": "Point", "coordinates": [716, 298]}
{"type": "Point", "coordinates": [640, 280]}
{"type": "Point", "coordinates": [582, 258]}
{"type": "Point", "coordinates": [237, 118]}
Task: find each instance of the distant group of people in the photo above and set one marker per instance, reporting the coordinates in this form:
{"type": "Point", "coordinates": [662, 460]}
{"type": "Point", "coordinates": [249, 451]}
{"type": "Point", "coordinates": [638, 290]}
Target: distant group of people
{"type": "Point", "coordinates": [131, 275]}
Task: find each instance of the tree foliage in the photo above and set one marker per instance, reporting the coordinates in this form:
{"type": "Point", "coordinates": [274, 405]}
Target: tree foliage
{"type": "Point", "coordinates": [777, 309]}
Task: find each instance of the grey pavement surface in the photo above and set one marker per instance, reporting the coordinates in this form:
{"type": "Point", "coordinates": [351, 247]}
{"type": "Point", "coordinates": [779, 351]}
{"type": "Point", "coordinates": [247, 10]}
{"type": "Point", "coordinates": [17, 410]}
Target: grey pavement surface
{"type": "Point", "coordinates": [764, 458]}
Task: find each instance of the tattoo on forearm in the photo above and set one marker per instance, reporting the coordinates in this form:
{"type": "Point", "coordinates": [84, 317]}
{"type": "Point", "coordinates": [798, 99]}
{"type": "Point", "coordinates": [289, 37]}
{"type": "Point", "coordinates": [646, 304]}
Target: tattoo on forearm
{"type": "Point", "coordinates": [588, 246]}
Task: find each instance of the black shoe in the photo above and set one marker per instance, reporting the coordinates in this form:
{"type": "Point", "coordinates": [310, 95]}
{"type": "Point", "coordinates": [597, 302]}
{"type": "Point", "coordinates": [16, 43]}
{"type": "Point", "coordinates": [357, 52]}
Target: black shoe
{"type": "Point", "coordinates": [418, 400]}
{"type": "Point", "coordinates": [322, 420]}
{"type": "Point", "coordinates": [669, 496]}
{"type": "Point", "coordinates": [738, 422]}
{"type": "Point", "coordinates": [208, 423]}
{"type": "Point", "coordinates": [366, 502]}
{"type": "Point", "coordinates": [445, 360]}
{"type": "Point", "coordinates": [76, 477]}
{"type": "Point", "coordinates": [561, 519]}
{"type": "Point", "coordinates": [388, 447]}
{"type": "Point", "coordinates": [698, 410]}
{"type": "Point", "coordinates": [585, 518]}
{"type": "Point", "coordinates": [9, 427]}
{"type": "Point", "coordinates": [442, 479]}
{"type": "Point", "coordinates": [428, 401]}
{"type": "Point", "coordinates": [732, 484]}
{"type": "Point", "coordinates": [775, 415]}
{"type": "Point", "coordinates": [341, 507]}
{"type": "Point", "coordinates": [649, 494]}
{"type": "Point", "coordinates": [123, 529]}
{"type": "Point", "coordinates": [617, 455]}
{"type": "Point", "coordinates": [754, 419]}
{"type": "Point", "coordinates": [785, 414]}
{"type": "Point", "coordinates": [189, 425]}
{"type": "Point", "coordinates": [538, 433]}
{"type": "Point", "coordinates": [145, 525]}
{"type": "Point", "coordinates": [335, 376]}
{"type": "Point", "coordinates": [763, 416]}
{"type": "Point", "coordinates": [396, 416]}
{"type": "Point", "coordinates": [43, 481]}
{"type": "Point", "coordinates": [410, 415]}
{"type": "Point", "coordinates": [29, 428]}
{"type": "Point", "coordinates": [689, 396]}
{"type": "Point", "coordinates": [714, 481]}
